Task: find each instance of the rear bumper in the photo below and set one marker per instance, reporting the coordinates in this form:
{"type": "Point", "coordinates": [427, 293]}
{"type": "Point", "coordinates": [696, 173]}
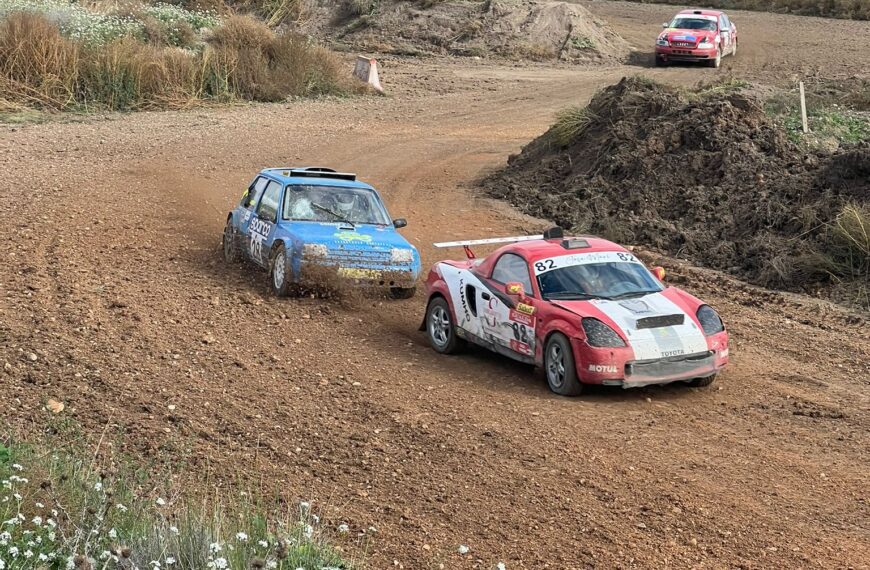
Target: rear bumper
{"type": "Point", "coordinates": [672, 53]}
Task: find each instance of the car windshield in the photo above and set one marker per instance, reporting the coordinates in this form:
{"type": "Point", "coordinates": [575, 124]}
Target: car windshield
{"type": "Point", "coordinates": [606, 280]}
{"type": "Point", "coordinates": [693, 24]}
{"type": "Point", "coordinates": [318, 203]}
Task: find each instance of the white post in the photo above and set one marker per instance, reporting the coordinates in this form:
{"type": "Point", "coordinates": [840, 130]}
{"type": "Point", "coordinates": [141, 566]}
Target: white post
{"type": "Point", "coordinates": [804, 122]}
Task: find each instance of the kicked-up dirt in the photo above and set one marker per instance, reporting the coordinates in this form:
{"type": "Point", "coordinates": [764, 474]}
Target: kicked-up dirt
{"type": "Point", "coordinates": [114, 300]}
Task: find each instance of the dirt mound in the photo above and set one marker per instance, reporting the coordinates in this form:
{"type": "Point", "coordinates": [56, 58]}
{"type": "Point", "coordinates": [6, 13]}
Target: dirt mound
{"type": "Point", "coordinates": [516, 30]}
{"type": "Point", "coordinates": [703, 174]}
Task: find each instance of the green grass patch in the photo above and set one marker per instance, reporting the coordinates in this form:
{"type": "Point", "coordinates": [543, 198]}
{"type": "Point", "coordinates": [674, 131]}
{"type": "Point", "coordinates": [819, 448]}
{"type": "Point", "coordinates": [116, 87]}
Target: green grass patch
{"type": "Point", "coordinates": [58, 511]}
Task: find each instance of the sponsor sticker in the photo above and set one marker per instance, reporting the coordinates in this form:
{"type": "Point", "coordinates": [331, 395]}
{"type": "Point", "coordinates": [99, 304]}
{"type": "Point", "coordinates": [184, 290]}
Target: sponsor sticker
{"type": "Point", "coordinates": [522, 318]}
{"type": "Point", "coordinates": [602, 368]}
{"type": "Point", "coordinates": [525, 309]}
{"type": "Point", "coordinates": [359, 273]}
{"type": "Point", "coordinates": [352, 237]}
{"type": "Point", "coordinates": [572, 259]}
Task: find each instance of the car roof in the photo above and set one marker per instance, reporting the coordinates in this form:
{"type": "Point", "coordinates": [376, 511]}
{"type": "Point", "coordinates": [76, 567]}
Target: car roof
{"type": "Point", "coordinates": [293, 175]}
{"type": "Point", "coordinates": [700, 13]}
{"type": "Point", "coordinates": [541, 249]}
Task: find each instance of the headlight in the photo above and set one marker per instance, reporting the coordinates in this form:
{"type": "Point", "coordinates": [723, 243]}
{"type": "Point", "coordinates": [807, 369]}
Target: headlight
{"type": "Point", "coordinates": [710, 321]}
{"type": "Point", "coordinates": [314, 250]}
{"type": "Point", "coordinates": [600, 335]}
{"type": "Point", "coordinates": [662, 42]}
{"type": "Point", "coordinates": [401, 255]}
{"type": "Point", "coordinates": [705, 45]}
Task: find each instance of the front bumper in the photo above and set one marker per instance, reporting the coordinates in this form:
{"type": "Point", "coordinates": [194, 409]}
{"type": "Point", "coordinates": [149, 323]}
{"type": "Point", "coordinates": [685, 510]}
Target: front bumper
{"type": "Point", "coordinates": [677, 53]}
{"type": "Point", "coordinates": [364, 275]}
{"type": "Point", "coordinates": [617, 366]}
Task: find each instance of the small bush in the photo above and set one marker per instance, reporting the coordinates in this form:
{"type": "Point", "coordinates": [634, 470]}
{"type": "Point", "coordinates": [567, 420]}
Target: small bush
{"type": "Point", "coordinates": [851, 234]}
{"type": "Point", "coordinates": [570, 124]}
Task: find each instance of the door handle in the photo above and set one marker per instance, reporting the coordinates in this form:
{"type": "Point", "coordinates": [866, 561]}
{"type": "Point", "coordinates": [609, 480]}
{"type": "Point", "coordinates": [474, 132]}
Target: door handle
{"type": "Point", "coordinates": [485, 296]}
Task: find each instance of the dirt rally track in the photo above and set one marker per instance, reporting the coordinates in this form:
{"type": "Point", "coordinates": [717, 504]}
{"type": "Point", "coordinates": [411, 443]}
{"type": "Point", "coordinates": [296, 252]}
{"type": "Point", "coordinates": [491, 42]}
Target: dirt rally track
{"type": "Point", "coordinates": [112, 276]}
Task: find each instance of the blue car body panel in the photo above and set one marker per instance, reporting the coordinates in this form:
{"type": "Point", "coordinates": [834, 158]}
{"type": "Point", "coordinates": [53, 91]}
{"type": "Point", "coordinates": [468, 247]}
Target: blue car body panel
{"type": "Point", "coordinates": [369, 253]}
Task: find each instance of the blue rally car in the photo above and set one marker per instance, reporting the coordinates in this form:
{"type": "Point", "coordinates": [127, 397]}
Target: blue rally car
{"type": "Point", "coordinates": [293, 219]}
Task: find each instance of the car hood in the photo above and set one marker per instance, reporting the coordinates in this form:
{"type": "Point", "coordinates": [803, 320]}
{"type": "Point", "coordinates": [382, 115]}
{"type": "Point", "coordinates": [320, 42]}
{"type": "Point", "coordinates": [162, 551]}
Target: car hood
{"type": "Point", "coordinates": [657, 325]}
{"type": "Point", "coordinates": [335, 235]}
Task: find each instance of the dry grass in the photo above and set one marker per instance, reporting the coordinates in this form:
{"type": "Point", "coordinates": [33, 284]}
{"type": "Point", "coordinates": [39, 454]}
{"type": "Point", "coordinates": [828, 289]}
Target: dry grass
{"type": "Point", "coordinates": [847, 9]}
{"type": "Point", "coordinates": [243, 60]}
{"type": "Point", "coordinates": [570, 124]}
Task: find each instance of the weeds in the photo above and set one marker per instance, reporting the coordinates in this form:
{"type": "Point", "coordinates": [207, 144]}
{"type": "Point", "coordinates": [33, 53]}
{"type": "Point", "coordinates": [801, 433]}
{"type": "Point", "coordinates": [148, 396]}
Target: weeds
{"type": "Point", "coordinates": [582, 42]}
{"type": "Point", "coordinates": [848, 9]}
{"type": "Point", "coordinates": [58, 512]}
{"type": "Point", "coordinates": [570, 124]}
{"type": "Point", "coordinates": [851, 236]}
{"type": "Point", "coordinates": [39, 68]}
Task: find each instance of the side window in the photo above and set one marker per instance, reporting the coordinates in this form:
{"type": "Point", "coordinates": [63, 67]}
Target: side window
{"type": "Point", "coordinates": [268, 208]}
{"type": "Point", "coordinates": [255, 190]}
{"type": "Point", "coordinates": [511, 267]}
{"type": "Point", "coordinates": [723, 23]}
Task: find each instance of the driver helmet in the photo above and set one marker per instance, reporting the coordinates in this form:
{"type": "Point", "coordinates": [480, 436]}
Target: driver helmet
{"type": "Point", "coordinates": [344, 203]}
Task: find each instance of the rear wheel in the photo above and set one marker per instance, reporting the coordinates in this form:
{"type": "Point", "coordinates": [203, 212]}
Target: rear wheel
{"type": "Point", "coordinates": [559, 366]}
{"type": "Point", "coordinates": [402, 292]}
{"type": "Point", "coordinates": [231, 250]}
{"type": "Point", "coordinates": [440, 327]}
{"type": "Point", "coordinates": [701, 382]}
{"type": "Point", "coordinates": [279, 271]}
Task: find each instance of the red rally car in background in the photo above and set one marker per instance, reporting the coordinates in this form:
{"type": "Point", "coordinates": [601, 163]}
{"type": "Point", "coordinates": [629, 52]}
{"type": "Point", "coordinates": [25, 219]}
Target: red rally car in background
{"type": "Point", "coordinates": [697, 35]}
{"type": "Point", "coordinates": [585, 309]}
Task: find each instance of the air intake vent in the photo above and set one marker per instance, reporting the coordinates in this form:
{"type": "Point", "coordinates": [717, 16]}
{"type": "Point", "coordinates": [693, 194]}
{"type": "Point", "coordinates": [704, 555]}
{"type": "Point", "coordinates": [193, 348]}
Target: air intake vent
{"type": "Point", "coordinates": [660, 321]}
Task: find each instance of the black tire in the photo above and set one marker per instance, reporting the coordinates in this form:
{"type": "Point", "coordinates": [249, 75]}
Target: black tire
{"type": "Point", "coordinates": [716, 63]}
{"type": "Point", "coordinates": [231, 248]}
{"type": "Point", "coordinates": [440, 328]}
{"type": "Point", "coordinates": [734, 49]}
{"type": "Point", "coordinates": [402, 292]}
{"type": "Point", "coordinates": [280, 272]}
{"type": "Point", "coordinates": [660, 62]}
{"type": "Point", "coordinates": [559, 366]}
{"type": "Point", "coordinates": [701, 382]}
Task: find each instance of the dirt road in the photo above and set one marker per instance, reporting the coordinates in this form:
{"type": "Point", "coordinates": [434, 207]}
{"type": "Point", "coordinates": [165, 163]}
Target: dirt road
{"type": "Point", "coordinates": [113, 280]}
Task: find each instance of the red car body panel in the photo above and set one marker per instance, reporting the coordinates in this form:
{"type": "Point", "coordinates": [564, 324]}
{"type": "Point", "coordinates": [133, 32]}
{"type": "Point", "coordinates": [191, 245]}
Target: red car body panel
{"type": "Point", "coordinates": [595, 365]}
{"type": "Point", "coordinates": [685, 44]}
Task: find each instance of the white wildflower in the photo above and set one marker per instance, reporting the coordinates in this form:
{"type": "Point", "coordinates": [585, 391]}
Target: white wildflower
{"type": "Point", "coordinates": [13, 551]}
{"type": "Point", "coordinates": [463, 549]}
{"type": "Point", "coordinates": [170, 561]}
{"type": "Point", "coordinates": [315, 518]}
{"type": "Point", "coordinates": [241, 537]}
{"type": "Point", "coordinates": [113, 534]}
{"type": "Point", "coordinates": [309, 530]}
{"type": "Point", "coordinates": [6, 499]}
{"type": "Point", "coordinates": [37, 521]}
{"type": "Point", "coordinates": [51, 536]}
{"type": "Point", "coordinates": [104, 555]}
{"type": "Point", "coordinates": [214, 547]}
{"type": "Point", "coordinates": [17, 467]}
{"type": "Point", "coordinates": [270, 564]}
{"type": "Point", "coordinates": [17, 497]}
{"type": "Point", "coordinates": [343, 528]}
{"type": "Point", "coordinates": [500, 566]}
{"type": "Point", "coordinates": [220, 563]}
{"type": "Point", "coordinates": [31, 544]}
{"type": "Point", "coordinates": [54, 513]}
{"type": "Point", "coordinates": [51, 523]}
{"type": "Point", "coordinates": [43, 557]}
{"type": "Point", "coordinates": [2, 564]}
{"type": "Point", "coordinates": [21, 517]}
{"type": "Point", "coordinates": [304, 505]}
{"type": "Point", "coordinates": [155, 564]}
{"type": "Point", "coordinates": [70, 563]}
{"type": "Point", "coordinates": [98, 486]}
{"type": "Point", "coordinates": [121, 508]}
{"type": "Point", "coordinates": [263, 543]}
{"type": "Point", "coordinates": [7, 484]}
{"type": "Point", "coordinates": [40, 506]}
{"type": "Point", "coordinates": [160, 501]}
{"type": "Point", "coordinates": [28, 553]}
{"type": "Point", "coordinates": [11, 522]}
{"type": "Point", "coordinates": [173, 529]}
{"type": "Point", "coordinates": [38, 540]}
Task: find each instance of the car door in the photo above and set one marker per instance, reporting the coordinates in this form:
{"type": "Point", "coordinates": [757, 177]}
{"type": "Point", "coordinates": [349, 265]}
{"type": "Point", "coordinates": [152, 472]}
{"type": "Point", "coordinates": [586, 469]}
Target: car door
{"type": "Point", "coordinates": [248, 205]}
{"type": "Point", "coordinates": [507, 322]}
{"type": "Point", "coordinates": [724, 34]}
{"type": "Point", "coordinates": [260, 229]}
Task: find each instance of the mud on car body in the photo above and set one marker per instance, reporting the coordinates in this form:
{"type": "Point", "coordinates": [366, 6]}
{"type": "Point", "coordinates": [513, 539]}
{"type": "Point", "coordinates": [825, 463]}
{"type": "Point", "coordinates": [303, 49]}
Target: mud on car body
{"type": "Point", "coordinates": [297, 222]}
{"type": "Point", "coordinates": [585, 309]}
{"type": "Point", "coordinates": [697, 35]}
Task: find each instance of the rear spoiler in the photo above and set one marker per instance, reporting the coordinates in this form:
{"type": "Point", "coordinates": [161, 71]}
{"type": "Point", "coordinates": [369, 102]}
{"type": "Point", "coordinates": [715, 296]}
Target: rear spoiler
{"type": "Point", "coordinates": [552, 233]}
{"type": "Point", "coordinates": [316, 172]}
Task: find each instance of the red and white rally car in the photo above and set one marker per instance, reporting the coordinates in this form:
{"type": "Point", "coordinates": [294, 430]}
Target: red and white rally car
{"type": "Point", "coordinates": [585, 309]}
{"type": "Point", "coordinates": [697, 35]}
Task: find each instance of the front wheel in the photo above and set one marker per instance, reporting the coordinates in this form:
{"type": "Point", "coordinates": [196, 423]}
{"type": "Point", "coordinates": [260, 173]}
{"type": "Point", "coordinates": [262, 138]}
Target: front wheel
{"type": "Point", "coordinates": [231, 250]}
{"type": "Point", "coordinates": [718, 61]}
{"type": "Point", "coordinates": [701, 382]}
{"type": "Point", "coordinates": [440, 328]}
{"type": "Point", "coordinates": [402, 292]}
{"type": "Point", "coordinates": [661, 62]}
{"type": "Point", "coordinates": [559, 366]}
{"type": "Point", "coordinates": [279, 272]}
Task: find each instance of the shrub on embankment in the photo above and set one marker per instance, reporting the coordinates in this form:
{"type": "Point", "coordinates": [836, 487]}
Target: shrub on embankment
{"type": "Point", "coordinates": [48, 63]}
{"type": "Point", "coordinates": [846, 9]}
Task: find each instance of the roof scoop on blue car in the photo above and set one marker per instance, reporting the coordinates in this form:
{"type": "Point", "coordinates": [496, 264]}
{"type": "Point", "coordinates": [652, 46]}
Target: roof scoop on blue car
{"type": "Point", "coordinates": [291, 220]}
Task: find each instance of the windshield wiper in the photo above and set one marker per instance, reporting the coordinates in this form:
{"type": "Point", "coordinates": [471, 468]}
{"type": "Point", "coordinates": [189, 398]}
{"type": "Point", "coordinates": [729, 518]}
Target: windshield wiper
{"type": "Point", "coordinates": [336, 215]}
{"type": "Point", "coordinates": [571, 295]}
{"type": "Point", "coordinates": [632, 294]}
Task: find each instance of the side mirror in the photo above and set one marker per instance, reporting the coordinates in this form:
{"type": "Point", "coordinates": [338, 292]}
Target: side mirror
{"type": "Point", "coordinates": [515, 288]}
{"type": "Point", "coordinates": [400, 223]}
{"type": "Point", "coordinates": [659, 272]}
